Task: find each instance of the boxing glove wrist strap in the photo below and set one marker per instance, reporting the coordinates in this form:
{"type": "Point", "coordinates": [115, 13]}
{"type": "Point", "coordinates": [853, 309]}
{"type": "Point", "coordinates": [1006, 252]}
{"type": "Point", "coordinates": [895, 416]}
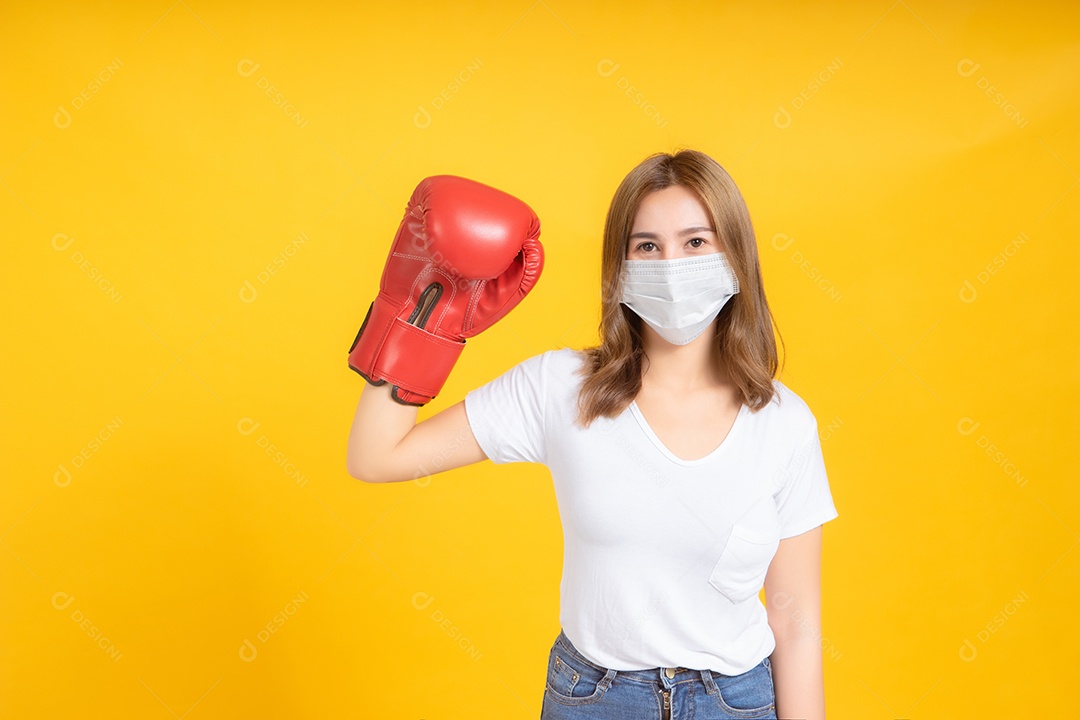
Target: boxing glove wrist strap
{"type": "Point", "coordinates": [408, 356]}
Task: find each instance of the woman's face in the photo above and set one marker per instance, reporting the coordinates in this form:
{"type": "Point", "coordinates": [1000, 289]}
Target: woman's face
{"type": "Point", "coordinates": [671, 223]}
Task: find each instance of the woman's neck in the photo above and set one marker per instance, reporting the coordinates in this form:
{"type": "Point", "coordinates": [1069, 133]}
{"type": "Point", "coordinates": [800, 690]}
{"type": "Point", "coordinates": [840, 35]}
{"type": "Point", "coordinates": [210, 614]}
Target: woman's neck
{"type": "Point", "coordinates": [682, 368]}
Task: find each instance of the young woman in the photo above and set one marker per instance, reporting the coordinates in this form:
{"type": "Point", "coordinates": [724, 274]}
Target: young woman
{"type": "Point", "coordinates": [687, 477]}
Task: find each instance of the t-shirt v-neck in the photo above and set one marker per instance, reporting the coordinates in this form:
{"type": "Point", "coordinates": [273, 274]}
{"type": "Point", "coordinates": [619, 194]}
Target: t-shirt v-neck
{"type": "Point", "coordinates": [713, 454]}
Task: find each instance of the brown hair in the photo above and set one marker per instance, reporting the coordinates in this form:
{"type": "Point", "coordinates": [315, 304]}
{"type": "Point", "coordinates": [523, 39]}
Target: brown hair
{"type": "Point", "coordinates": [744, 338]}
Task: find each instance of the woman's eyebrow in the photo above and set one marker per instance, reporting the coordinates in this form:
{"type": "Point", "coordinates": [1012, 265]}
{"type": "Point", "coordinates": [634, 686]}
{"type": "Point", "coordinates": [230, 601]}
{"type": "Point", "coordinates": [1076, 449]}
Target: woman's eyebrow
{"type": "Point", "coordinates": [687, 231]}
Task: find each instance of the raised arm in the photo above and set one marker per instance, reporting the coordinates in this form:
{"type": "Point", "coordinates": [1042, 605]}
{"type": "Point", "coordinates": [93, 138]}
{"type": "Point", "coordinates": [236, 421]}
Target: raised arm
{"type": "Point", "coordinates": [387, 445]}
{"type": "Point", "coordinates": [464, 255]}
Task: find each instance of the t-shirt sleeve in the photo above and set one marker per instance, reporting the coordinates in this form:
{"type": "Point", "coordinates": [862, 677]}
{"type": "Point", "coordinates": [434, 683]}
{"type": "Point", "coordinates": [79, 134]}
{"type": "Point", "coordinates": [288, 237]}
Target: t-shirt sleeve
{"type": "Point", "coordinates": [506, 415]}
{"type": "Point", "coordinates": [804, 499]}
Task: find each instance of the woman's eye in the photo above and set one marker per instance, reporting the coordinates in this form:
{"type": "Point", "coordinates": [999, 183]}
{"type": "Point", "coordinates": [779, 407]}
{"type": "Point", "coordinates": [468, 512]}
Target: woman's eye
{"type": "Point", "coordinates": [642, 246]}
{"type": "Point", "coordinates": [697, 240]}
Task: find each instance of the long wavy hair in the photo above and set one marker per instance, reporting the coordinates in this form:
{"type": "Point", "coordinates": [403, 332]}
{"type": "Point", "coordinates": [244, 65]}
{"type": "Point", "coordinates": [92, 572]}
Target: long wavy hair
{"type": "Point", "coordinates": [745, 346]}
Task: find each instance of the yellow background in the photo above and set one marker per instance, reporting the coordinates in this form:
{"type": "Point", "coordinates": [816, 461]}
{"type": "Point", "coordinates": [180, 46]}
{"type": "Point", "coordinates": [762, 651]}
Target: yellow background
{"type": "Point", "coordinates": [188, 259]}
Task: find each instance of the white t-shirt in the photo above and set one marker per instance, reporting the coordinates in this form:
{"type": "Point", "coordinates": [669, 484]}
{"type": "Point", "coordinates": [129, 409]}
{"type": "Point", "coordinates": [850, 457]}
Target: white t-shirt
{"type": "Point", "coordinates": [663, 558]}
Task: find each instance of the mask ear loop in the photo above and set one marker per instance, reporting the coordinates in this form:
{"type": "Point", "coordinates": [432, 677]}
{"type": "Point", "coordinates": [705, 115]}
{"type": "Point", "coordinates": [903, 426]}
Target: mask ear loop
{"type": "Point", "coordinates": [730, 269]}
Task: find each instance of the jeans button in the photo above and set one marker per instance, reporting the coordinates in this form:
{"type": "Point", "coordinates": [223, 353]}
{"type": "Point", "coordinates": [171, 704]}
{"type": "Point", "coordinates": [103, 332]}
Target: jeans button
{"type": "Point", "coordinates": [670, 672]}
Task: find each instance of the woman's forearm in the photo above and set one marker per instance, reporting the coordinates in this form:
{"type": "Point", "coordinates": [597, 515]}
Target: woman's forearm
{"type": "Point", "coordinates": [798, 677]}
{"type": "Point", "coordinates": [378, 426]}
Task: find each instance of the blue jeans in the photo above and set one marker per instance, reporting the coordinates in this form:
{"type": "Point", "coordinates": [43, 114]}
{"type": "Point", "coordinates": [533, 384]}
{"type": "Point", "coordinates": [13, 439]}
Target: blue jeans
{"type": "Point", "coordinates": [578, 689]}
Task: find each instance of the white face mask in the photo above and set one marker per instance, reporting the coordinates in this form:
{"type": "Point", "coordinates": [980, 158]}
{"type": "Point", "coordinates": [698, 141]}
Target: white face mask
{"type": "Point", "coordinates": [679, 298]}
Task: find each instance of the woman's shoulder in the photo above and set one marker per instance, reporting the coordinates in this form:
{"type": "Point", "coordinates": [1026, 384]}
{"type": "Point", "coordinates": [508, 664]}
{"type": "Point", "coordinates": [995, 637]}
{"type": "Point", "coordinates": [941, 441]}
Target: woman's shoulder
{"type": "Point", "coordinates": [556, 363]}
{"type": "Point", "coordinates": [568, 356]}
{"type": "Point", "coordinates": [559, 359]}
{"type": "Point", "coordinates": [788, 410]}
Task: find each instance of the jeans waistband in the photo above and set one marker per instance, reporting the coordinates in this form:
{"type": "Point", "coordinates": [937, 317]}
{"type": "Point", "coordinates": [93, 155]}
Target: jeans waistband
{"type": "Point", "coordinates": [664, 676]}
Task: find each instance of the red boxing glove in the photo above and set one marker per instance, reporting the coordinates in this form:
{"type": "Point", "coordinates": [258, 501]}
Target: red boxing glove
{"type": "Point", "coordinates": [465, 254]}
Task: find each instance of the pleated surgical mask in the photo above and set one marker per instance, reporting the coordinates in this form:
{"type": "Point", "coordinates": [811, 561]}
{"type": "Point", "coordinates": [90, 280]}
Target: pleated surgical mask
{"type": "Point", "coordinates": [678, 298]}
